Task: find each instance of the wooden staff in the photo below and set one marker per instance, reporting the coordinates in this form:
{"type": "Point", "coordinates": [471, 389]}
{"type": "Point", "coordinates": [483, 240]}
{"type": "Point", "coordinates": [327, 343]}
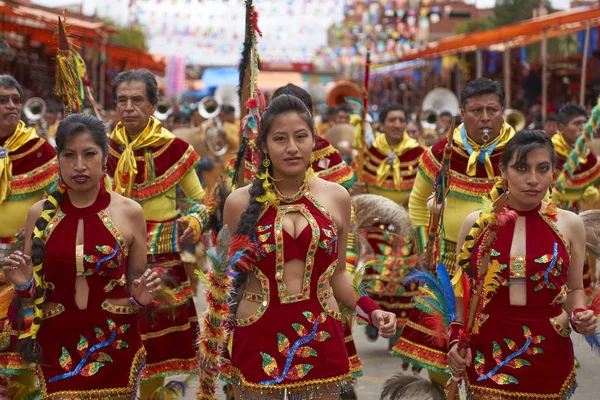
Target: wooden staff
{"type": "Point", "coordinates": [68, 81]}
{"type": "Point", "coordinates": [363, 114]}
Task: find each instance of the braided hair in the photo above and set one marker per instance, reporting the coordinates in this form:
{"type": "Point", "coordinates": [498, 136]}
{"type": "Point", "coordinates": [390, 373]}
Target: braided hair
{"type": "Point", "coordinates": [72, 125]}
{"type": "Point", "coordinates": [282, 104]}
{"type": "Point", "coordinates": [521, 144]}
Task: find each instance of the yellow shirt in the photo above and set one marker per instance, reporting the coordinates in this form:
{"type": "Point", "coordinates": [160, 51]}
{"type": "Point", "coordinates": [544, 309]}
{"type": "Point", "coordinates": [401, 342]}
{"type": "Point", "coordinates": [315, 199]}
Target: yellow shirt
{"type": "Point", "coordinates": [163, 207]}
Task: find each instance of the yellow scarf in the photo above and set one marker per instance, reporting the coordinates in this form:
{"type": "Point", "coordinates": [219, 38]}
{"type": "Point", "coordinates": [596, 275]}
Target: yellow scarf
{"type": "Point", "coordinates": [407, 143]}
{"type": "Point", "coordinates": [506, 133]}
{"type": "Point", "coordinates": [563, 149]}
{"type": "Point", "coordinates": [154, 135]}
{"type": "Point", "coordinates": [20, 137]}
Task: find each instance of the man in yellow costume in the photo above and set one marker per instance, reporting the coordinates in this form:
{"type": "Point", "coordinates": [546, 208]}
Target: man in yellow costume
{"type": "Point", "coordinates": [580, 189]}
{"type": "Point", "coordinates": [147, 162]}
{"type": "Point", "coordinates": [391, 164]}
{"type": "Point", "coordinates": [28, 169]}
{"type": "Point", "coordinates": [477, 148]}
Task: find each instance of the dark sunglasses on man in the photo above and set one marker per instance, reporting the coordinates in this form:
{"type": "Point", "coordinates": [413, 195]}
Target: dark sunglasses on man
{"type": "Point", "coordinates": [16, 100]}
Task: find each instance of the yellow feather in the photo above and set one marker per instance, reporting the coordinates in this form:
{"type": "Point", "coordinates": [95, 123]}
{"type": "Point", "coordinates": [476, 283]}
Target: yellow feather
{"type": "Point", "coordinates": [491, 281]}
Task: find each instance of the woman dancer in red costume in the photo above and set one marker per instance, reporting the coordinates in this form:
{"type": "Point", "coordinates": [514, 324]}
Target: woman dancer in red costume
{"type": "Point", "coordinates": [287, 338]}
{"type": "Point", "coordinates": [520, 346]}
{"type": "Point", "coordinates": [82, 277]}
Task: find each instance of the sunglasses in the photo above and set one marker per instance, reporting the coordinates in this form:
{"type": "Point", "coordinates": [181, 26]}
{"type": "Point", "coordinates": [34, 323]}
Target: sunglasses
{"type": "Point", "coordinates": [16, 100]}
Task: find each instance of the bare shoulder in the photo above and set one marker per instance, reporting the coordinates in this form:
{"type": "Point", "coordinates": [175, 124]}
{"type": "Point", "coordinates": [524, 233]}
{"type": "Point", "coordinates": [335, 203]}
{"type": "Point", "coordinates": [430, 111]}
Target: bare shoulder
{"type": "Point", "coordinates": [36, 209]}
{"type": "Point", "coordinates": [570, 221]}
{"type": "Point", "coordinates": [330, 190]}
{"type": "Point", "coordinates": [125, 204]}
{"type": "Point", "coordinates": [239, 198]}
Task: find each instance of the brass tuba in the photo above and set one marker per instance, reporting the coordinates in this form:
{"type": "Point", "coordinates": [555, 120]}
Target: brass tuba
{"type": "Point", "coordinates": [342, 90]}
{"type": "Point", "coordinates": [514, 118]}
{"type": "Point", "coordinates": [435, 102]}
{"type": "Point", "coordinates": [163, 110]}
{"type": "Point", "coordinates": [209, 109]}
{"type": "Point", "coordinates": [34, 110]}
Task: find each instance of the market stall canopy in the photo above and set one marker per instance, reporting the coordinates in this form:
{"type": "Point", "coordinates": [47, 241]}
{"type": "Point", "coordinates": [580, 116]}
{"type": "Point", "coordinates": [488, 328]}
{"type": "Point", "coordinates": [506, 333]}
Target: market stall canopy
{"type": "Point", "coordinates": [270, 80]}
{"type": "Point", "coordinates": [511, 36]}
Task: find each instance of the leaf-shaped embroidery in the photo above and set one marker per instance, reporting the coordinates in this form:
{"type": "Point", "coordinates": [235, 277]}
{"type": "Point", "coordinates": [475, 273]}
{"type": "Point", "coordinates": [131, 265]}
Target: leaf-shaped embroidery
{"type": "Point", "coordinates": [102, 357]}
{"type": "Point", "coordinates": [123, 328]}
{"type": "Point", "coordinates": [119, 344]}
{"type": "Point", "coordinates": [268, 248]}
{"type": "Point", "coordinates": [322, 336]}
{"type": "Point", "coordinates": [504, 379]}
{"type": "Point", "coordinates": [527, 332]}
{"type": "Point", "coordinates": [518, 363]}
{"type": "Point", "coordinates": [82, 345]}
{"type": "Point", "coordinates": [262, 228]}
{"type": "Point", "coordinates": [91, 368]}
{"type": "Point", "coordinates": [306, 351]}
{"type": "Point", "coordinates": [546, 258]}
{"type": "Point", "coordinates": [269, 365]}
{"type": "Point", "coordinates": [298, 371]}
{"type": "Point", "coordinates": [497, 352]}
{"type": "Point", "coordinates": [322, 317]}
{"type": "Point", "coordinates": [264, 237]}
{"type": "Point", "coordinates": [479, 363]}
{"type": "Point", "coordinates": [309, 316]}
{"type": "Point", "coordinates": [300, 330]}
{"type": "Point", "coordinates": [100, 334]}
{"type": "Point", "coordinates": [283, 344]}
{"type": "Point", "coordinates": [65, 360]}
{"type": "Point", "coordinates": [91, 259]}
{"type": "Point", "coordinates": [111, 325]}
{"type": "Point", "coordinates": [105, 249]}
{"type": "Point", "coordinates": [510, 343]}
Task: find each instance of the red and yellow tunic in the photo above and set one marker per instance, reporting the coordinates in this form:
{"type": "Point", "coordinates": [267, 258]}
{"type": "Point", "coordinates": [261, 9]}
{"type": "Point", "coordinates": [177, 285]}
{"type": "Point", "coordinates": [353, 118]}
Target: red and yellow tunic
{"type": "Point", "coordinates": [524, 351]}
{"type": "Point", "coordinates": [34, 171]}
{"type": "Point", "coordinates": [95, 352]}
{"type": "Point", "coordinates": [580, 191]}
{"type": "Point", "coordinates": [293, 345]}
{"type": "Point", "coordinates": [469, 183]}
{"type": "Point", "coordinates": [391, 172]}
{"type": "Point", "coordinates": [160, 167]}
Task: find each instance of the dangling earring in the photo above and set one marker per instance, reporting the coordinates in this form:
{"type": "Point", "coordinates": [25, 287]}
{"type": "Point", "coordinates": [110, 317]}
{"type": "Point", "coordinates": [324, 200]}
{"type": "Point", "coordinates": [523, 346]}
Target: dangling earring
{"type": "Point", "coordinates": [266, 162]}
{"type": "Point", "coordinates": [267, 183]}
{"type": "Point", "coordinates": [310, 172]}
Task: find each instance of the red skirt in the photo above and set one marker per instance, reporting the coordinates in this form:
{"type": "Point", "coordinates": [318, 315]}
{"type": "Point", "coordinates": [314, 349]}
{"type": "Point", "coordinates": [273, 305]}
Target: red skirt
{"type": "Point", "coordinates": [520, 353]}
{"type": "Point", "coordinates": [89, 354]}
{"type": "Point", "coordinates": [171, 340]}
{"type": "Point", "coordinates": [295, 350]}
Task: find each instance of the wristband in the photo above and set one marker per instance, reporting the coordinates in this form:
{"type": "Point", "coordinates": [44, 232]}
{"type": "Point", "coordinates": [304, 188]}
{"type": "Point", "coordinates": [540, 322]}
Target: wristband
{"type": "Point", "coordinates": [572, 318]}
{"type": "Point", "coordinates": [454, 333]}
{"type": "Point", "coordinates": [365, 307]}
{"type": "Point", "coordinates": [25, 291]}
{"type": "Point", "coordinates": [133, 301]}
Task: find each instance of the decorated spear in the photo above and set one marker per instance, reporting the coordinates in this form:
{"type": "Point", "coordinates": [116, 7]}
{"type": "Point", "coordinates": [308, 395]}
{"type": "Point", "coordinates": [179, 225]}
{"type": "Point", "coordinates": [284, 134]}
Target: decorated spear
{"type": "Point", "coordinates": [68, 80]}
{"type": "Point", "coordinates": [441, 188]}
{"type": "Point", "coordinates": [578, 152]}
{"type": "Point", "coordinates": [363, 114]}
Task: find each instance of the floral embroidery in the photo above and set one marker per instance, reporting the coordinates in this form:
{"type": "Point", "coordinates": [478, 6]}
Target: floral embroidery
{"type": "Point", "coordinates": [554, 269]}
{"type": "Point", "coordinates": [85, 352]}
{"type": "Point", "coordinates": [298, 349]}
{"type": "Point", "coordinates": [108, 260]}
{"type": "Point", "coordinates": [511, 361]}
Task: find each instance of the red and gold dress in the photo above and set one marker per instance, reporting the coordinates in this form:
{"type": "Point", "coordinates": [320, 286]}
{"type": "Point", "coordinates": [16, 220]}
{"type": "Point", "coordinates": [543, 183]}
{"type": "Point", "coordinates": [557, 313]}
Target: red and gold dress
{"type": "Point", "coordinates": [523, 352]}
{"type": "Point", "coordinates": [95, 352]}
{"type": "Point", "coordinates": [293, 345]}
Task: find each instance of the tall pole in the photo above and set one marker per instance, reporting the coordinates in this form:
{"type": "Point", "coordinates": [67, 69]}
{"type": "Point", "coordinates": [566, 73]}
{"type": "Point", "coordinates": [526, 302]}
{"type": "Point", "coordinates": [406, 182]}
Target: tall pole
{"type": "Point", "coordinates": [478, 64]}
{"type": "Point", "coordinates": [507, 80]}
{"type": "Point", "coordinates": [244, 84]}
{"type": "Point", "coordinates": [584, 63]}
{"type": "Point", "coordinates": [544, 75]}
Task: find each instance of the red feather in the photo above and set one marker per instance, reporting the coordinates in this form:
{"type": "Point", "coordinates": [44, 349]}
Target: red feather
{"type": "Point", "coordinates": [435, 322]}
{"type": "Point", "coordinates": [466, 299]}
{"type": "Point", "coordinates": [505, 217]}
{"type": "Point", "coordinates": [252, 103]}
{"type": "Point", "coordinates": [243, 243]}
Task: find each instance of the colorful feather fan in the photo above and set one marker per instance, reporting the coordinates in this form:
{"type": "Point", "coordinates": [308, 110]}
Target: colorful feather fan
{"type": "Point", "coordinates": [238, 251]}
{"type": "Point", "coordinates": [436, 299]}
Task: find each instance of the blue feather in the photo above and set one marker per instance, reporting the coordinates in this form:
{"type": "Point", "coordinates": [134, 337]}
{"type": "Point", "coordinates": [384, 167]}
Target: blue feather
{"type": "Point", "coordinates": [448, 291]}
{"type": "Point", "coordinates": [442, 300]}
{"type": "Point", "coordinates": [594, 342]}
{"type": "Point", "coordinates": [237, 256]}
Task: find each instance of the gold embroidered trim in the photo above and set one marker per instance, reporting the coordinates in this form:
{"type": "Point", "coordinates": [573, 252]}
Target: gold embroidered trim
{"type": "Point", "coordinates": [324, 152]}
{"type": "Point", "coordinates": [483, 393]}
{"type": "Point", "coordinates": [561, 330]}
{"type": "Point", "coordinates": [80, 268]}
{"type": "Point", "coordinates": [30, 182]}
{"type": "Point", "coordinates": [52, 225]}
{"type": "Point", "coordinates": [54, 311]}
{"type": "Point", "coordinates": [164, 332]}
{"type": "Point", "coordinates": [121, 310]}
{"type": "Point", "coordinates": [284, 298]}
{"type": "Point", "coordinates": [264, 284]}
{"type": "Point", "coordinates": [28, 152]}
{"type": "Point", "coordinates": [237, 375]}
{"type": "Point", "coordinates": [518, 267]}
{"type": "Point", "coordinates": [324, 294]}
{"type": "Point", "coordinates": [254, 297]}
{"type": "Point", "coordinates": [420, 328]}
{"type": "Point", "coordinates": [104, 217]}
{"type": "Point", "coordinates": [561, 296]}
{"type": "Point", "coordinates": [115, 282]}
{"type": "Point", "coordinates": [408, 349]}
